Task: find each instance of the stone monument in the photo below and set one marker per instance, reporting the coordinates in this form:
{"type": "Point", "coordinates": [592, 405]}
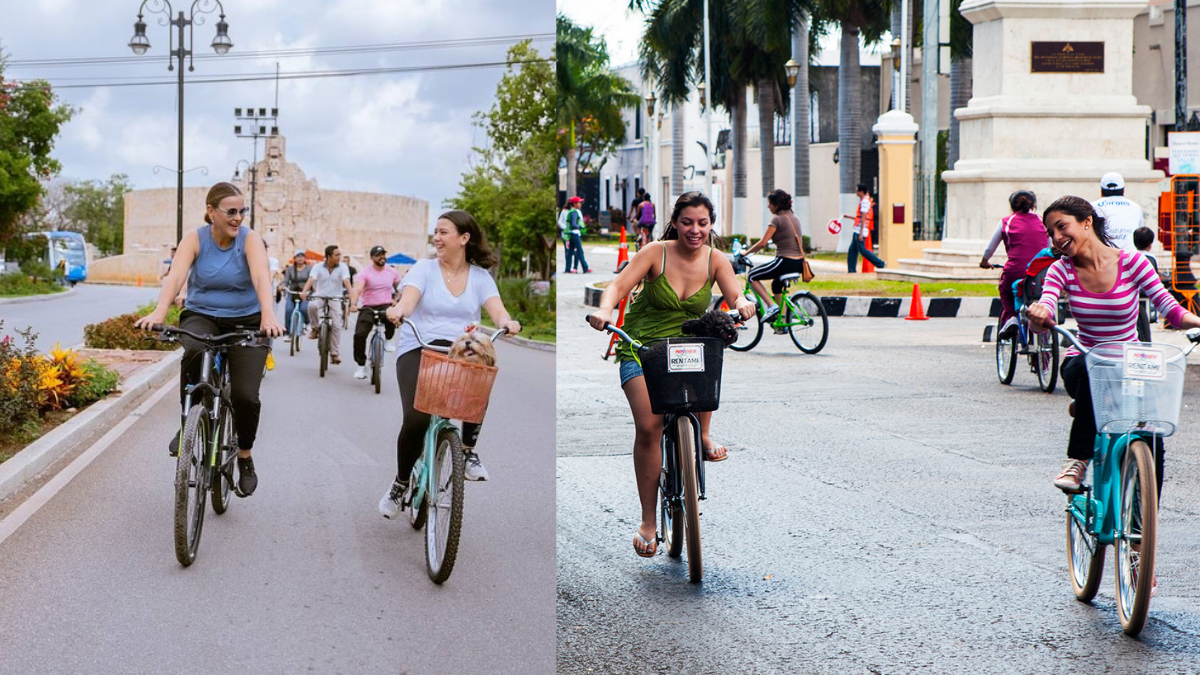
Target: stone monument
{"type": "Point", "coordinates": [1052, 110]}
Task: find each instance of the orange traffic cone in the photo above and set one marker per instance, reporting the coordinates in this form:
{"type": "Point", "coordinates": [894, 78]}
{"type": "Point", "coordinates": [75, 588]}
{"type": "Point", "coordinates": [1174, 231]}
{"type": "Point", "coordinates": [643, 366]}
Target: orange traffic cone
{"type": "Point", "coordinates": [866, 242]}
{"type": "Point", "coordinates": [916, 312]}
{"type": "Point", "coordinates": [139, 280]}
{"type": "Point", "coordinates": [622, 251]}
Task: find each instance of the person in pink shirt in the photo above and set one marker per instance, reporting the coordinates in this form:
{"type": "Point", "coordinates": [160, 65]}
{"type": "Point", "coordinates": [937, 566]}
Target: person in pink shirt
{"type": "Point", "coordinates": [1024, 237]}
{"type": "Point", "coordinates": [1103, 283]}
{"type": "Point", "coordinates": [376, 285]}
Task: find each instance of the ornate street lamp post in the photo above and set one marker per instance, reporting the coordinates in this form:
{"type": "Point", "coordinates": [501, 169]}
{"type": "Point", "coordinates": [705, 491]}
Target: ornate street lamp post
{"type": "Point", "coordinates": [220, 44]}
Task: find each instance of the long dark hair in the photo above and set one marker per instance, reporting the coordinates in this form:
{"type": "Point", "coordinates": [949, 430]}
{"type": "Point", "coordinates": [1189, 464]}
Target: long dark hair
{"type": "Point", "coordinates": [780, 200]}
{"type": "Point", "coordinates": [687, 200]}
{"type": "Point", "coordinates": [1081, 209]}
{"type": "Point", "coordinates": [1022, 201]}
{"type": "Point", "coordinates": [478, 251]}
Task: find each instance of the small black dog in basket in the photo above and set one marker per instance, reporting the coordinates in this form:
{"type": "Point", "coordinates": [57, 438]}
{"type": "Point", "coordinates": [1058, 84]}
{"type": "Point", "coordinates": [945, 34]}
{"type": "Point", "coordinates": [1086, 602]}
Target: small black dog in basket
{"type": "Point", "coordinates": [714, 324]}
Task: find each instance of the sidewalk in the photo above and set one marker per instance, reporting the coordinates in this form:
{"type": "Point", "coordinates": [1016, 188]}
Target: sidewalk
{"type": "Point", "coordinates": [603, 260]}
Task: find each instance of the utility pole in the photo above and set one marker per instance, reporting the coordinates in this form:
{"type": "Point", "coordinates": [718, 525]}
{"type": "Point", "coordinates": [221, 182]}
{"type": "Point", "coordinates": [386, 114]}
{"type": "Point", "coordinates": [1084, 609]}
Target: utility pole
{"type": "Point", "coordinates": [1181, 117]}
{"type": "Point", "coordinates": [258, 126]}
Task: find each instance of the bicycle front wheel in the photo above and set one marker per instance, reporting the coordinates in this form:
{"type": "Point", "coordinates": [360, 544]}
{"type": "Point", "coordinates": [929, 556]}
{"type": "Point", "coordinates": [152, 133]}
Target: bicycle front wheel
{"type": "Point", "coordinates": [323, 347]}
{"type": "Point", "coordinates": [668, 498]}
{"type": "Point", "coordinates": [226, 450]}
{"type": "Point", "coordinates": [810, 327]}
{"type": "Point", "coordinates": [1046, 359]}
{"type": "Point", "coordinates": [191, 485]}
{"type": "Point", "coordinates": [445, 505]}
{"type": "Point", "coordinates": [1085, 558]}
{"type": "Point", "coordinates": [377, 361]}
{"type": "Point", "coordinates": [750, 331]}
{"type": "Point", "coordinates": [691, 496]}
{"type": "Point", "coordinates": [1138, 526]}
{"type": "Point", "coordinates": [417, 510]}
{"type": "Point", "coordinates": [1006, 356]}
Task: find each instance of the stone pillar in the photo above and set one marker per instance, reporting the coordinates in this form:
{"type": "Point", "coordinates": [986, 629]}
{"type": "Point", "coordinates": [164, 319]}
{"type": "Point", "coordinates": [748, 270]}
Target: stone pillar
{"type": "Point", "coordinates": [895, 131]}
{"type": "Point", "coordinates": [1054, 133]}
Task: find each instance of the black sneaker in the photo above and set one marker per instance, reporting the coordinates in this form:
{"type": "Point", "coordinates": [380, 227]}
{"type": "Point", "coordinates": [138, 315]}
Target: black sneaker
{"type": "Point", "coordinates": [173, 446]}
{"type": "Point", "coordinates": [247, 479]}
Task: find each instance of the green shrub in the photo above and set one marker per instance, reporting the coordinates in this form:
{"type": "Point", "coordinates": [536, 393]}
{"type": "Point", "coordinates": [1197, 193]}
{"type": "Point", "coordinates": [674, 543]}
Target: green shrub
{"type": "Point", "coordinates": [806, 243]}
{"type": "Point", "coordinates": [119, 333]}
{"type": "Point", "coordinates": [98, 381]}
{"type": "Point", "coordinates": [20, 398]}
{"type": "Point", "coordinates": [19, 283]}
{"type": "Point", "coordinates": [534, 311]}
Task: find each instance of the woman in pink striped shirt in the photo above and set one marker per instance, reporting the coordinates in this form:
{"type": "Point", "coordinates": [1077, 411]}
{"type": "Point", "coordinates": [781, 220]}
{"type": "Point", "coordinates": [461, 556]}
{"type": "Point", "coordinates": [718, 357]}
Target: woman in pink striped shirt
{"type": "Point", "coordinates": [1103, 284]}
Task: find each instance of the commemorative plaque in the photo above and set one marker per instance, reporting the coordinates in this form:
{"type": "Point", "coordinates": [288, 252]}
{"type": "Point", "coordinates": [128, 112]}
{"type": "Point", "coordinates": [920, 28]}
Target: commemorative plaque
{"type": "Point", "coordinates": [1067, 57]}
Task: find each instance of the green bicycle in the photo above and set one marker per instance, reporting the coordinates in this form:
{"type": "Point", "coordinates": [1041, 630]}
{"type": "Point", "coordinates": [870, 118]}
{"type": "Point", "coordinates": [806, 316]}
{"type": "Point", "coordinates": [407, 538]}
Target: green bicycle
{"type": "Point", "coordinates": [801, 315]}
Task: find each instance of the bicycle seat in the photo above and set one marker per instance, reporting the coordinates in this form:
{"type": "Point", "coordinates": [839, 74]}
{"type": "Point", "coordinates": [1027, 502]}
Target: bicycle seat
{"type": "Point", "coordinates": [788, 278]}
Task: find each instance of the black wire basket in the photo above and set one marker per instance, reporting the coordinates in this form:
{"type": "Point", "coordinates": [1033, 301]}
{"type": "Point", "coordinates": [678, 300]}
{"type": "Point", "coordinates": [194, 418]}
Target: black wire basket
{"type": "Point", "coordinates": [683, 375]}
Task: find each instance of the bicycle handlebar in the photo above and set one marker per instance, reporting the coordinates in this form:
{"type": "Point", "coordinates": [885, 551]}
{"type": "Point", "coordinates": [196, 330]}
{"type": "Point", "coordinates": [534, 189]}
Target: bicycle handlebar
{"type": "Point", "coordinates": [732, 313]}
{"type": "Point", "coordinates": [173, 333]}
{"type": "Point", "coordinates": [437, 348]}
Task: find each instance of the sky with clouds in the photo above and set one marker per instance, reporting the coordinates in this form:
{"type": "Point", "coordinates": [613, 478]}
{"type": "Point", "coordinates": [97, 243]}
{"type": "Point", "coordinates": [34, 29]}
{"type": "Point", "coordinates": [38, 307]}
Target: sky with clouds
{"type": "Point", "coordinates": [408, 133]}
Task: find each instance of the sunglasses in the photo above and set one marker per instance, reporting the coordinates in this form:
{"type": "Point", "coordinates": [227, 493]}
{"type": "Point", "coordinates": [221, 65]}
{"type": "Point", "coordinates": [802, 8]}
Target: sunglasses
{"type": "Point", "coordinates": [231, 212]}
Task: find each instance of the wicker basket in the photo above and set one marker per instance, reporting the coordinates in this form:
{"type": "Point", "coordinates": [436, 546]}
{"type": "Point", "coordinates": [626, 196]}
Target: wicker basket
{"type": "Point", "coordinates": [453, 389]}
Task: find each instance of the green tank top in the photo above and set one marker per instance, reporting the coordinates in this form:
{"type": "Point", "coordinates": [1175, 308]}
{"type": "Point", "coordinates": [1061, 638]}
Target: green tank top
{"type": "Point", "coordinates": [658, 312]}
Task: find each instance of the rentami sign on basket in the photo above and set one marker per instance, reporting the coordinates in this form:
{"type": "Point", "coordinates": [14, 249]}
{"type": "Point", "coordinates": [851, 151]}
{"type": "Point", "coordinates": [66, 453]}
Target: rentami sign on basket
{"type": "Point", "coordinates": [685, 358]}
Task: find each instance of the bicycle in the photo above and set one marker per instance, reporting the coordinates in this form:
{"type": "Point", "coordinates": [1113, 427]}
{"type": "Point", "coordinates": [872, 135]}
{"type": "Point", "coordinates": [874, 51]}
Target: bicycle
{"type": "Point", "coordinates": [802, 315]}
{"type": "Point", "coordinates": [446, 390]}
{"type": "Point", "coordinates": [375, 346]}
{"type": "Point", "coordinates": [325, 328]}
{"type": "Point", "coordinates": [209, 445]}
{"type": "Point", "coordinates": [295, 324]}
{"type": "Point", "coordinates": [1040, 348]}
{"type": "Point", "coordinates": [1137, 392]}
{"type": "Point", "coordinates": [682, 378]}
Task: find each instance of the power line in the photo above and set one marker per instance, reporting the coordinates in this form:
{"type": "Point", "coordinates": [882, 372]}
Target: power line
{"type": "Point", "coordinates": [287, 53]}
{"type": "Point", "coordinates": [302, 75]}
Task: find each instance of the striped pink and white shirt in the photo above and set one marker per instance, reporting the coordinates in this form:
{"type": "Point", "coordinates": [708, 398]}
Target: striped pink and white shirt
{"type": "Point", "coordinates": [1110, 316]}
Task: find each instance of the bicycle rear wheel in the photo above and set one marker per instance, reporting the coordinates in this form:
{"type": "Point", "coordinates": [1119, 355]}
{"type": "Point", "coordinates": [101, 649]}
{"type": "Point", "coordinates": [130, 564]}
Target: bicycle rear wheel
{"type": "Point", "coordinates": [1006, 356]}
{"type": "Point", "coordinates": [750, 331]}
{"type": "Point", "coordinates": [671, 510]}
{"type": "Point", "coordinates": [323, 346]}
{"type": "Point", "coordinates": [691, 496]}
{"type": "Point", "coordinates": [810, 335]}
{"type": "Point", "coordinates": [445, 505]}
{"type": "Point", "coordinates": [1085, 559]}
{"type": "Point", "coordinates": [1046, 359]}
{"type": "Point", "coordinates": [1138, 524]}
{"type": "Point", "coordinates": [191, 485]}
{"type": "Point", "coordinates": [377, 361]}
{"type": "Point", "coordinates": [227, 448]}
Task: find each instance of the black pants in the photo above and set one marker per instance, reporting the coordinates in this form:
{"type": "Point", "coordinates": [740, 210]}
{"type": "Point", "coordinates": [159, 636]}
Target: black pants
{"type": "Point", "coordinates": [775, 269]}
{"type": "Point", "coordinates": [411, 441]}
{"type": "Point", "coordinates": [1082, 442]}
{"type": "Point", "coordinates": [245, 368]}
{"type": "Point", "coordinates": [366, 321]}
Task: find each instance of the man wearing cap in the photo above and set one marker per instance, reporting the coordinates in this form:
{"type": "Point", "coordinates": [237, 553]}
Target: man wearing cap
{"type": "Point", "coordinates": [295, 276]}
{"type": "Point", "coordinates": [575, 230]}
{"type": "Point", "coordinates": [376, 285]}
{"type": "Point", "coordinates": [1121, 216]}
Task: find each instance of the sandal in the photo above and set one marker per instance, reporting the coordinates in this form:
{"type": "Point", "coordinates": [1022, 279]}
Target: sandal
{"type": "Point", "coordinates": [717, 454]}
{"type": "Point", "coordinates": [651, 547]}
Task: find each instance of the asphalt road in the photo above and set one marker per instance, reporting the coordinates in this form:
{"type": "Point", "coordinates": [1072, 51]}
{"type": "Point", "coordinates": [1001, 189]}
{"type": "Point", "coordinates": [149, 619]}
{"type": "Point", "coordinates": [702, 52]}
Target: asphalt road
{"type": "Point", "coordinates": [886, 508]}
{"type": "Point", "coordinates": [61, 319]}
{"type": "Point", "coordinates": [304, 576]}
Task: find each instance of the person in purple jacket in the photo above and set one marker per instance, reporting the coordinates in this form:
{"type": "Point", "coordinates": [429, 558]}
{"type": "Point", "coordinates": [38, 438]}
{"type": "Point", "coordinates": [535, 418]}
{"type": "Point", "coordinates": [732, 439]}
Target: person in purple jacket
{"type": "Point", "coordinates": [1024, 236]}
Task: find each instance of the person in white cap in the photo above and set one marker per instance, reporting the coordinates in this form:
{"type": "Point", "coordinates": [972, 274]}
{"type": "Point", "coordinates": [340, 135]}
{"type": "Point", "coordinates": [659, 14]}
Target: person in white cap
{"type": "Point", "coordinates": [1121, 216]}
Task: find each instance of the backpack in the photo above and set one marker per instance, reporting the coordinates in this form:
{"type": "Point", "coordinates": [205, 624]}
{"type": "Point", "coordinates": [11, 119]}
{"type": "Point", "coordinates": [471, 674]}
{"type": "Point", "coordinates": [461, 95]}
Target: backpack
{"type": "Point", "coordinates": [1028, 289]}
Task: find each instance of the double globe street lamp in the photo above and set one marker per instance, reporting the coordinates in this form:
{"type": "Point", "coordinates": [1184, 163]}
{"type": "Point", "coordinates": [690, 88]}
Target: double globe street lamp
{"type": "Point", "coordinates": [220, 44]}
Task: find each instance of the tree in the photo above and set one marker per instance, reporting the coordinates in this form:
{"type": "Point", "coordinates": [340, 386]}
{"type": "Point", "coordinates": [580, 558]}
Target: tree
{"type": "Point", "coordinates": [97, 210]}
{"type": "Point", "coordinates": [590, 97]}
{"type": "Point", "coordinates": [29, 122]}
{"type": "Point", "coordinates": [510, 191]}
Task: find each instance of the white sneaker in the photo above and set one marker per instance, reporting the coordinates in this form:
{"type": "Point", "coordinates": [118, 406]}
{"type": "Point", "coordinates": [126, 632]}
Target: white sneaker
{"type": "Point", "coordinates": [389, 506]}
{"type": "Point", "coordinates": [475, 470]}
{"type": "Point", "coordinates": [389, 347]}
{"type": "Point", "coordinates": [1071, 475]}
{"type": "Point", "coordinates": [360, 373]}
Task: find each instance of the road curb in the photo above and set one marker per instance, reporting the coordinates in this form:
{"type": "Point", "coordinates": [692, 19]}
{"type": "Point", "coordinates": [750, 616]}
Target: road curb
{"type": "Point", "coordinates": [62, 440]}
{"type": "Point", "coordinates": [523, 342]}
{"type": "Point", "coordinates": [36, 298]}
{"type": "Point", "coordinates": [935, 307]}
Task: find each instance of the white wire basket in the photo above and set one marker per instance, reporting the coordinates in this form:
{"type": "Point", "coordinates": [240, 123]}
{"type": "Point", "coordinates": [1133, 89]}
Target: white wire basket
{"type": "Point", "coordinates": [1136, 386]}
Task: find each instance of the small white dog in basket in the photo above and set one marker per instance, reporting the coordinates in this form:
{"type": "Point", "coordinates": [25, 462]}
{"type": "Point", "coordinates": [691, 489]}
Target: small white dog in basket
{"type": "Point", "coordinates": [473, 348]}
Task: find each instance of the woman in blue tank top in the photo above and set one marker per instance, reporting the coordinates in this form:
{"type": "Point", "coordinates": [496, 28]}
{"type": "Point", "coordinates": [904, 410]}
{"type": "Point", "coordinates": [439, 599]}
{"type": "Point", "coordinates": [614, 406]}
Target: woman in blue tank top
{"type": "Point", "coordinates": [229, 289]}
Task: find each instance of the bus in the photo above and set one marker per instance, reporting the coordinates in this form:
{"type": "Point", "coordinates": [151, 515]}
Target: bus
{"type": "Point", "coordinates": [65, 251]}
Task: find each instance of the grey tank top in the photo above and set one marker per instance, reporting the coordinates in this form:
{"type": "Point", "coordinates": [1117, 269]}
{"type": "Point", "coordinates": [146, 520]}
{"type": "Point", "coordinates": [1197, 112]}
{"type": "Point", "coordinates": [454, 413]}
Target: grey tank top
{"type": "Point", "coordinates": [219, 282]}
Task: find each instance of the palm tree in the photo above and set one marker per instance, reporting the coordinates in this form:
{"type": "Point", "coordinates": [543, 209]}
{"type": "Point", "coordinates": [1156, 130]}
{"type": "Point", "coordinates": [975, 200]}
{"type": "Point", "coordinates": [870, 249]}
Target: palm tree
{"type": "Point", "coordinates": [961, 50]}
{"type": "Point", "coordinates": [590, 97]}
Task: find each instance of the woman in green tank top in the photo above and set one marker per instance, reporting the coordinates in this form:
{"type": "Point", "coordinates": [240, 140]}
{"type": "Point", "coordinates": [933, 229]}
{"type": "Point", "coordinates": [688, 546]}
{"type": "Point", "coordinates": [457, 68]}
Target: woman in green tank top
{"type": "Point", "coordinates": [678, 271]}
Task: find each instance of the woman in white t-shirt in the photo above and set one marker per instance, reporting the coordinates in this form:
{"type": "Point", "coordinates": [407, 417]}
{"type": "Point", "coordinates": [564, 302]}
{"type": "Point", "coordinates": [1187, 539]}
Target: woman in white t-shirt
{"type": "Point", "coordinates": [442, 296]}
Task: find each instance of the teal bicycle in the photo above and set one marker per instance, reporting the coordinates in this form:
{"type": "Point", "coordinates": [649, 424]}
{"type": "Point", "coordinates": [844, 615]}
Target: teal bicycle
{"type": "Point", "coordinates": [1137, 391]}
{"type": "Point", "coordinates": [801, 315]}
{"type": "Point", "coordinates": [447, 390]}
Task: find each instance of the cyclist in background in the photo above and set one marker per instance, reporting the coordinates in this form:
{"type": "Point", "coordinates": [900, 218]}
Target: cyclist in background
{"type": "Point", "coordinates": [229, 289]}
{"type": "Point", "coordinates": [646, 216]}
{"type": "Point", "coordinates": [376, 286]}
{"type": "Point", "coordinates": [1024, 237]}
{"type": "Point", "coordinates": [784, 230]}
{"type": "Point", "coordinates": [330, 279]}
{"type": "Point", "coordinates": [681, 261]}
{"type": "Point", "coordinates": [294, 278]}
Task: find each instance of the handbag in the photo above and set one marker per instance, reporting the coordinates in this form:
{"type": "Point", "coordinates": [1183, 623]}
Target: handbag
{"type": "Point", "coordinates": [806, 272]}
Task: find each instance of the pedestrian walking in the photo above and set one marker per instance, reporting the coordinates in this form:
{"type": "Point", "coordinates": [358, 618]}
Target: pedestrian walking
{"type": "Point", "coordinates": [864, 222]}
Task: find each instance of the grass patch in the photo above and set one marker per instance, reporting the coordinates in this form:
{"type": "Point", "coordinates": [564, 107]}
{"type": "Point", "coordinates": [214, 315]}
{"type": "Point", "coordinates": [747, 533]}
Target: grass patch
{"type": "Point", "coordinates": [903, 289]}
{"type": "Point", "coordinates": [20, 285]}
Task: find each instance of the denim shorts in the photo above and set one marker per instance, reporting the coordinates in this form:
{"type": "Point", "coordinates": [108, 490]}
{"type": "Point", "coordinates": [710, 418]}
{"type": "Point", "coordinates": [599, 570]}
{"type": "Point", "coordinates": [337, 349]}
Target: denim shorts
{"type": "Point", "coordinates": [629, 370]}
